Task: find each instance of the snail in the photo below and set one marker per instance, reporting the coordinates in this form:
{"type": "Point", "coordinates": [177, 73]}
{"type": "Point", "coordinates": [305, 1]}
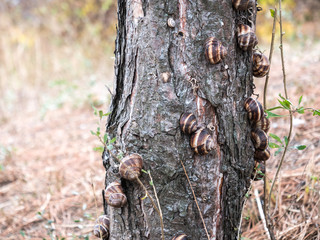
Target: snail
{"type": "Point", "coordinates": [247, 38]}
{"type": "Point", "coordinates": [130, 166]}
{"type": "Point", "coordinates": [258, 172]}
{"type": "Point", "coordinates": [180, 237]}
{"type": "Point", "coordinates": [263, 124]}
{"type": "Point", "coordinates": [114, 195]}
{"type": "Point", "coordinates": [260, 139]}
{"type": "Point", "coordinates": [101, 227]}
{"type": "Point", "coordinates": [188, 123]}
{"type": "Point", "coordinates": [201, 142]}
{"type": "Point", "coordinates": [171, 23]}
{"type": "Point", "coordinates": [262, 155]}
{"type": "Point", "coordinates": [254, 109]}
{"type": "Point", "coordinates": [243, 4]}
{"type": "Point", "coordinates": [261, 64]}
{"type": "Point", "coordinates": [214, 50]}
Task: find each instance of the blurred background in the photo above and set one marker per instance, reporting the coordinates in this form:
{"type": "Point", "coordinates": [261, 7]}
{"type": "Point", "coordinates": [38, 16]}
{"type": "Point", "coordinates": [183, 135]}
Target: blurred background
{"type": "Point", "coordinates": [56, 62]}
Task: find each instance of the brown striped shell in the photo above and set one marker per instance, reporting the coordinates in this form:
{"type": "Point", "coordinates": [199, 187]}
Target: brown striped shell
{"type": "Point", "coordinates": [102, 227]}
{"type": "Point", "coordinates": [254, 109]}
{"type": "Point", "coordinates": [180, 237]}
{"type": "Point", "coordinates": [201, 141]}
{"type": "Point", "coordinates": [260, 139]}
{"type": "Point", "coordinates": [188, 123]}
{"type": "Point", "coordinates": [263, 124]}
{"type": "Point", "coordinates": [261, 64]}
{"type": "Point", "coordinates": [214, 50]}
{"type": "Point", "coordinates": [262, 155]}
{"type": "Point", "coordinates": [243, 4]}
{"type": "Point", "coordinates": [259, 171]}
{"type": "Point", "coordinates": [114, 195]}
{"type": "Point", "coordinates": [247, 38]}
{"type": "Point", "coordinates": [130, 166]}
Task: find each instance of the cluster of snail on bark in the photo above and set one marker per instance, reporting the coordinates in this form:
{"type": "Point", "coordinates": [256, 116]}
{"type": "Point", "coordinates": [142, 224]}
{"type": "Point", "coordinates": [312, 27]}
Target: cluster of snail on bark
{"type": "Point", "coordinates": [201, 141]}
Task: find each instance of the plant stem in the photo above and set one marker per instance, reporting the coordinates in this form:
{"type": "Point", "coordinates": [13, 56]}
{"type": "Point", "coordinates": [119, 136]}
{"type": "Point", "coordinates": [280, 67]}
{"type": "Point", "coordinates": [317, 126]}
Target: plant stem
{"type": "Point", "coordinates": [195, 199]}
{"type": "Point", "coordinates": [286, 95]}
{"type": "Point", "coordinates": [265, 107]}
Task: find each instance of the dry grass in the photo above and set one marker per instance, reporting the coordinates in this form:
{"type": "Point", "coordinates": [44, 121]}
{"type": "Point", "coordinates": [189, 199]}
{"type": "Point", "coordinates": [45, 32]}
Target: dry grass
{"type": "Point", "coordinates": [51, 179]}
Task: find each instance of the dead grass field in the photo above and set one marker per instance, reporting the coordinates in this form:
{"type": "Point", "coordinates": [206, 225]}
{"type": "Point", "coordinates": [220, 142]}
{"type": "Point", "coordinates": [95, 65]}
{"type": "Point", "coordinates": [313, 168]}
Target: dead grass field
{"type": "Point", "coordinates": [51, 179]}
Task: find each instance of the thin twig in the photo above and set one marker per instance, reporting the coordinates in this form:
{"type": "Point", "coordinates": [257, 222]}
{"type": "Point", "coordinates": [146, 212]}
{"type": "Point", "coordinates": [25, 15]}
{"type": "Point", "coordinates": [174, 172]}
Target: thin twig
{"type": "Point", "coordinates": [263, 218]}
{"type": "Point", "coordinates": [265, 107]}
{"type": "Point", "coordinates": [195, 199]}
{"type": "Point", "coordinates": [286, 95]}
{"type": "Point", "coordinates": [156, 195]}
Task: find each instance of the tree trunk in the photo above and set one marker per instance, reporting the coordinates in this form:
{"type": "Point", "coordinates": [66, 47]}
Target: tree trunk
{"type": "Point", "coordinates": [147, 105]}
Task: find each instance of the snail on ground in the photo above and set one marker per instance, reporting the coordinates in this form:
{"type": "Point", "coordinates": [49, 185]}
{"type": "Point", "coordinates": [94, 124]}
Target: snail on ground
{"type": "Point", "coordinates": [214, 50]}
{"type": "Point", "coordinates": [188, 123]}
{"type": "Point", "coordinates": [114, 195]}
{"type": "Point", "coordinates": [101, 227]}
{"type": "Point", "coordinates": [180, 237]}
{"type": "Point", "coordinates": [247, 38]}
{"type": "Point", "coordinates": [254, 109]}
{"type": "Point", "coordinates": [261, 64]}
{"type": "Point", "coordinates": [260, 139]}
{"type": "Point", "coordinates": [130, 166]}
{"type": "Point", "coordinates": [243, 4]}
{"type": "Point", "coordinates": [262, 155]}
{"type": "Point", "coordinates": [201, 141]}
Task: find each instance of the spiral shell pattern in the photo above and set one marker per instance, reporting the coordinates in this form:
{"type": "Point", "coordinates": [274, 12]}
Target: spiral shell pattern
{"type": "Point", "coordinates": [261, 64]}
{"type": "Point", "coordinates": [188, 123]}
{"type": "Point", "coordinates": [130, 166]}
{"type": "Point", "coordinates": [180, 237]}
{"type": "Point", "coordinates": [247, 38]}
{"type": "Point", "coordinates": [101, 227]}
{"type": "Point", "coordinates": [114, 195]}
{"type": "Point", "coordinates": [201, 142]}
{"type": "Point", "coordinates": [254, 109]}
{"type": "Point", "coordinates": [262, 155]}
{"type": "Point", "coordinates": [260, 139]}
{"type": "Point", "coordinates": [263, 124]}
{"type": "Point", "coordinates": [214, 50]}
{"type": "Point", "coordinates": [243, 4]}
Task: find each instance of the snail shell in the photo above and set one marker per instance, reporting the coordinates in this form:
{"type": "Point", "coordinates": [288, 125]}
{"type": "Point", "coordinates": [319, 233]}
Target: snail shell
{"type": "Point", "coordinates": [243, 4]}
{"type": "Point", "coordinates": [130, 166]}
{"type": "Point", "coordinates": [254, 109]}
{"type": "Point", "coordinates": [101, 227]}
{"type": "Point", "coordinates": [263, 124]}
{"type": "Point", "coordinates": [260, 169]}
{"type": "Point", "coordinates": [260, 139]}
{"type": "Point", "coordinates": [180, 237]}
{"type": "Point", "coordinates": [114, 195]}
{"type": "Point", "coordinates": [171, 23]}
{"type": "Point", "coordinates": [188, 123]}
{"type": "Point", "coordinates": [262, 155]}
{"type": "Point", "coordinates": [261, 64]}
{"type": "Point", "coordinates": [247, 38]}
{"type": "Point", "coordinates": [201, 141]}
{"type": "Point", "coordinates": [214, 50]}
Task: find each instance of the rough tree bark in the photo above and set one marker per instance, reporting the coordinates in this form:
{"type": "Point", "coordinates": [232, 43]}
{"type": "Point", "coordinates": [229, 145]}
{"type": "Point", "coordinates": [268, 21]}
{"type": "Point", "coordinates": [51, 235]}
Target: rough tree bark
{"type": "Point", "coordinates": [146, 108]}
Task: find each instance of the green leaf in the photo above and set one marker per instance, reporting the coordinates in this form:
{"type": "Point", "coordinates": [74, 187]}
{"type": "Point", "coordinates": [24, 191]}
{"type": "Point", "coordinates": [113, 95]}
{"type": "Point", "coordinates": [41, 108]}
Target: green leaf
{"type": "Point", "coordinates": [272, 12]}
{"type": "Point", "coordinates": [286, 140]}
{"type": "Point", "coordinates": [93, 133]}
{"type": "Point", "coordinates": [285, 104]}
{"type": "Point", "coordinates": [76, 221]}
{"type": "Point", "coordinates": [275, 137]}
{"type": "Point", "coordinates": [300, 99]}
{"type": "Point", "coordinates": [144, 171]}
{"type": "Point", "coordinates": [151, 183]}
{"type": "Point", "coordinates": [100, 114]}
{"type": "Point", "coordinates": [98, 149]}
{"type": "Point", "coordinates": [95, 111]}
{"type": "Point", "coordinates": [300, 147]}
{"type": "Point", "coordinates": [274, 108]}
{"type": "Point", "coordinates": [107, 114]}
{"type": "Point", "coordinates": [112, 140]}
{"type": "Point", "coordinates": [316, 112]}
{"type": "Point", "coordinates": [22, 233]}
{"type": "Point", "coordinates": [300, 110]}
{"type": "Point", "coordinates": [273, 145]}
{"type": "Point", "coordinates": [271, 114]}
{"type": "Point", "coordinates": [105, 137]}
